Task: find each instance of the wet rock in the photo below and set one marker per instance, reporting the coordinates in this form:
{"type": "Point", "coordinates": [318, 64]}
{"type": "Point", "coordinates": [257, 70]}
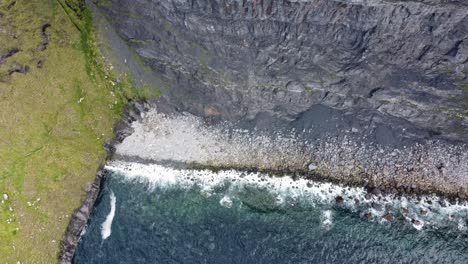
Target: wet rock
{"type": "Point", "coordinates": [375, 191]}
{"type": "Point", "coordinates": [389, 217]}
{"type": "Point", "coordinates": [405, 210]}
{"type": "Point", "coordinates": [339, 200]}
{"type": "Point", "coordinates": [442, 203]}
{"type": "Point", "coordinates": [377, 206]}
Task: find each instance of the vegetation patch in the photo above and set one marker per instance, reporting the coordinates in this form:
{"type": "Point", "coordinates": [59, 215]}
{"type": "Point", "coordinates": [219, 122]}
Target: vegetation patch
{"type": "Point", "coordinates": [56, 116]}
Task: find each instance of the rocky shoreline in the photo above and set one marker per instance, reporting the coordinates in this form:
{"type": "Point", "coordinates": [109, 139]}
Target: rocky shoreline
{"type": "Point", "coordinates": [435, 167]}
{"type": "Point", "coordinates": [371, 102]}
{"type": "Point", "coordinates": [418, 170]}
{"type": "Point", "coordinates": [79, 218]}
{"type": "Point", "coordinates": [368, 97]}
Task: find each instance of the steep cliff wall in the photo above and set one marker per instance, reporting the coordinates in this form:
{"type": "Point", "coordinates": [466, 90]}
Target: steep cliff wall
{"type": "Point", "coordinates": [391, 70]}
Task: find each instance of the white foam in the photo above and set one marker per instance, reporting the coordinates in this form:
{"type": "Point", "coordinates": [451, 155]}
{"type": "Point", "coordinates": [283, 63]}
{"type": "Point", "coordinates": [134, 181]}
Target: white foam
{"type": "Point", "coordinates": [106, 227]}
{"type": "Point", "coordinates": [226, 202]}
{"type": "Point", "coordinates": [428, 211]}
{"type": "Point", "coordinates": [327, 219]}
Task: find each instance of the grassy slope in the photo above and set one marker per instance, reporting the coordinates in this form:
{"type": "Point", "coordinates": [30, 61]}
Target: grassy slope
{"type": "Point", "coordinates": [53, 123]}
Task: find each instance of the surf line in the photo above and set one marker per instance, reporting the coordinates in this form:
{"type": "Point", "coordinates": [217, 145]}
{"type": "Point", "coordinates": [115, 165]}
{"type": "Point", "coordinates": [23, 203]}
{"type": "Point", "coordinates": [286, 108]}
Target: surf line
{"type": "Point", "coordinates": [106, 227]}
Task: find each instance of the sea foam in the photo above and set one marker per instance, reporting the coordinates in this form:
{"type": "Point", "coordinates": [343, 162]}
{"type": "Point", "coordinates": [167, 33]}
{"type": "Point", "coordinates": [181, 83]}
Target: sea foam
{"type": "Point", "coordinates": [420, 212]}
{"type": "Point", "coordinates": [106, 227]}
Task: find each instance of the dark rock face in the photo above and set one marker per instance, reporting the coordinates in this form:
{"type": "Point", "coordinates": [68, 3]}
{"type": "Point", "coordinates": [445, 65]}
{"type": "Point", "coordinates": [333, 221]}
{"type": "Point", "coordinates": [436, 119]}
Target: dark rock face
{"type": "Point", "coordinates": [82, 214]}
{"type": "Point", "coordinates": [395, 71]}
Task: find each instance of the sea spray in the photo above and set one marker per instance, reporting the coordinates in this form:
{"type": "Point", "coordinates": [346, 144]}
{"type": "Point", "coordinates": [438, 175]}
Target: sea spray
{"type": "Point", "coordinates": [286, 192]}
{"type": "Point", "coordinates": [106, 227]}
{"type": "Point", "coordinates": [169, 215]}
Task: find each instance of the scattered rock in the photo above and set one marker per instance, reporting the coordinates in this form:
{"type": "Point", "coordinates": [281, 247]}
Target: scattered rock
{"type": "Point", "coordinates": [423, 212]}
{"type": "Point", "coordinates": [389, 217]}
{"type": "Point", "coordinates": [45, 36]}
{"type": "Point", "coordinates": [339, 200]}
{"type": "Point", "coordinates": [16, 67]}
{"type": "Point", "coordinates": [312, 167]}
{"type": "Point", "coordinates": [375, 191]}
{"type": "Point", "coordinates": [10, 53]}
{"type": "Point", "coordinates": [405, 210]}
{"type": "Point", "coordinates": [377, 206]}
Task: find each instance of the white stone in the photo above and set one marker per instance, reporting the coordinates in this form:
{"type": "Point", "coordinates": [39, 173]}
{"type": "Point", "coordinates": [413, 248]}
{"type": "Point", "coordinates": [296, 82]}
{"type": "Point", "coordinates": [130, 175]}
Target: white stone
{"type": "Point", "coordinates": [312, 167]}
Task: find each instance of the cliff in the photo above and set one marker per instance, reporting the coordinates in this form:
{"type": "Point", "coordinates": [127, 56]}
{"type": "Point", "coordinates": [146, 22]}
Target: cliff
{"type": "Point", "coordinates": [391, 71]}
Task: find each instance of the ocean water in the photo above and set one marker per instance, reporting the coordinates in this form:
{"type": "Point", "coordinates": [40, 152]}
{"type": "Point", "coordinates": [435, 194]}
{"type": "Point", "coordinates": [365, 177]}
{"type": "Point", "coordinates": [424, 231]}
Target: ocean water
{"type": "Point", "coordinates": [157, 214]}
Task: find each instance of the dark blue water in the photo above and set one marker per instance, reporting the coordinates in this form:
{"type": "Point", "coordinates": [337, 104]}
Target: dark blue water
{"type": "Point", "coordinates": [182, 225]}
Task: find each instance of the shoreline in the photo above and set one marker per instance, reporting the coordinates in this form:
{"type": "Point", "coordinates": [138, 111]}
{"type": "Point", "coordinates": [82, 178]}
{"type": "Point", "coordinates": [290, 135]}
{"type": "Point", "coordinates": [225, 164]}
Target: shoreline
{"type": "Point", "coordinates": [434, 167]}
{"type": "Point", "coordinates": [303, 174]}
{"type": "Point", "coordinates": [124, 128]}
{"type": "Point", "coordinates": [234, 183]}
{"type": "Point", "coordinates": [81, 215]}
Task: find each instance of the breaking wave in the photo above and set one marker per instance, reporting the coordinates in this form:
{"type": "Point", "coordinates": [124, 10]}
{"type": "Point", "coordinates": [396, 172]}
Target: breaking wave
{"type": "Point", "coordinates": [280, 193]}
{"type": "Point", "coordinates": [106, 227]}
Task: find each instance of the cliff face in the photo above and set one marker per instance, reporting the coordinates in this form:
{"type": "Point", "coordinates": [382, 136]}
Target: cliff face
{"type": "Point", "coordinates": [394, 71]}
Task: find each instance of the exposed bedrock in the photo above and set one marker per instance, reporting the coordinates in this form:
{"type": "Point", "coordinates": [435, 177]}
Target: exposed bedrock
{"type": "Point", "coordinates": [395, 71]}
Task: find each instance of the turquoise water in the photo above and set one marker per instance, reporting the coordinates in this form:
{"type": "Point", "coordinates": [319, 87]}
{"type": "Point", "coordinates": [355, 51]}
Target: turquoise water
{"type": "Point", "coordinates": [183, 223]}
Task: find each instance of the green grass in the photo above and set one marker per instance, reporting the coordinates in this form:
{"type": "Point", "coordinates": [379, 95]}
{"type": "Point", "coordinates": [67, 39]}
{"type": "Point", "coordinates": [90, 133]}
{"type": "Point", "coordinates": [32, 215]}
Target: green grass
{"type": "Point", "coordinates": [308, 88]}
{"type": "Point", "coordinates": [53, 124]}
